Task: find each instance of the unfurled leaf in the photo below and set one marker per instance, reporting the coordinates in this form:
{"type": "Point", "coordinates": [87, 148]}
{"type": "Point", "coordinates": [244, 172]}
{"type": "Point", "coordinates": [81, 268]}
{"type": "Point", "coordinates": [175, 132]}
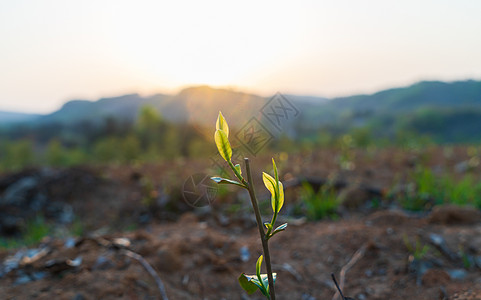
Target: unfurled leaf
{"type": "Point", "coordinates": [277, 191]}
{"type": "Point", "coordinates": [279, 229]}
{"type": "Point", "coordinates": [264, 287]}
{"type": "Point", "coordinates": [250, 283]}
{"type": "Point", "coordinates": [281, 196]}
{"type": "Point", "coordinates": [246, 283]}
{"type": "Point", "coordinates": [279, 187]}
{"type": "Point", "coordinates": [223, 144]}
{"type": "Point", "coordinates": [265, 281]}
{"type": "Point", "coordinates": [221, 124]}
{"type": "Point", "coordinates": [238, 168]}
{"type": "Point", "coordinates": [258, 267]}
{"type": "Point", "coordinates": [269, 182]}
{"type": "Point", "coordinates": [276, 176]}
{"type": "Point", "coordinates": [221, 180]}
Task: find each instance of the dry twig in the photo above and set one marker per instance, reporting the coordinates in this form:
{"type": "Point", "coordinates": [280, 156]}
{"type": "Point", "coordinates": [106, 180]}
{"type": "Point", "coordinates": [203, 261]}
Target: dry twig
{"type": "Point", "coordinates": [149, 269]}
{"type": "Point", "coordinates": [354, 259]}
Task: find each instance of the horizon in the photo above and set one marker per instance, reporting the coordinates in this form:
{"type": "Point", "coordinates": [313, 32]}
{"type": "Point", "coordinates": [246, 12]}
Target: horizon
{"type": "Point", "coordinates": [233, 89]}
{"type": "Point", "coordinates": [56, 51]}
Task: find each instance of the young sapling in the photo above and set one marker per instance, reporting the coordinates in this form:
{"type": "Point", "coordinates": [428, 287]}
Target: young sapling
{"type": "Point", "coordinates": [263, 282]}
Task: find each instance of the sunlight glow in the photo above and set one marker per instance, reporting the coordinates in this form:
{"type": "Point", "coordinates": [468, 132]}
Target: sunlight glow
{"type": "Point", "coordinates": [56, 50]}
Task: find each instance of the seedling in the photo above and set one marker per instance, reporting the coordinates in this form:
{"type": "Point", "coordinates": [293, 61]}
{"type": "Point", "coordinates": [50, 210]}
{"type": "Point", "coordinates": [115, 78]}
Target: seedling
{"type": "Point", "coordinates": [417, 250]}
{"type": "Point", "coordinates": [321, 204]}
{"type": "Point", "coordinates": [263, 282]}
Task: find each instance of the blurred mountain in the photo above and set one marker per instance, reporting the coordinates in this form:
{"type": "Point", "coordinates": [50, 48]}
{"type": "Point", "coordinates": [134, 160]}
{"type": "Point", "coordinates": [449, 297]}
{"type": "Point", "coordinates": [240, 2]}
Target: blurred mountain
{"type": "Point", "coordinates": [9, 118]}
{"type": "Point", "coordinates": [124, 108]}
{"type": "Point", "coordinates": [447, 111]}
{"type": "Point", "coordinates": [450, 111]}
{"type": "Point", "coordinates": [405, 100]}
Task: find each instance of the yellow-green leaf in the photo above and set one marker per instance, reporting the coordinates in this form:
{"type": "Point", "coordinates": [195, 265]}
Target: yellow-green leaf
{"type": "Point", "coordinates": [258, 271]}
{"type": "Point", "coordinates": [269, 182]}
{"type": "Point", "coordinates": [275, 170]}
{"type": "Point", "coordinates": [223, 144]}
{"type": "Point", "coordinates": [250, 283]}
{"type": "Point", "coordinates": [281, 197]}
{"type": "Point", "coordinates": [222, 124]}
{"type": "Point", "coordinates": [277, 191]}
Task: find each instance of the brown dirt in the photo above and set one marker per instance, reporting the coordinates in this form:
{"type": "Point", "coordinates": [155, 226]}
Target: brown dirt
{"type": "Point", "coordinates": [197, 253]}
{"type": "Point", "coordinates": [200, 260]}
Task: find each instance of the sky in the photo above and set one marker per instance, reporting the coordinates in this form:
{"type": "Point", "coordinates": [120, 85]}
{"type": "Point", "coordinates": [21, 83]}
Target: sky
{"type": "Point", "coordinates": [52, 51]}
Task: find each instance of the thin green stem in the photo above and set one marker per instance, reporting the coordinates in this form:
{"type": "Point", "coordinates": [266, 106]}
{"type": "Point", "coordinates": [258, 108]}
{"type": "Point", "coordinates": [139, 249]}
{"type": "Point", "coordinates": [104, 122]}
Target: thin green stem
{"type": "Point", "coordinates": [273, 224]}
{"type": "Point", "coordinates": [238, 175]}
{"type": "Point", "coordinates": [264, 238]}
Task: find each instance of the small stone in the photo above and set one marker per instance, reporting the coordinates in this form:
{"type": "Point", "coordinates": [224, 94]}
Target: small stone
{"type": "Point", "coordinates": [69, 242]}
{"type": "Point", "coordinates": [244, 254]}
{"type": "Point", "coordinates": [103, 263]}
{"type": "Point", "coordinates": [457, 274]}
{"type": "Point", "coordinates": [18, 192]}
{"type": "Point", "coordinates": [78, 296]}
{"type": "Point", "coordinates": [361, 297]}
{"type": "Point", "coordinates": [307, 297]}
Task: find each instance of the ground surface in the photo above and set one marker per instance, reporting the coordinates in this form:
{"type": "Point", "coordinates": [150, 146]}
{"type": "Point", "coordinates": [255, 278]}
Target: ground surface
{"type": "Point", "coordinates": [383, 251]}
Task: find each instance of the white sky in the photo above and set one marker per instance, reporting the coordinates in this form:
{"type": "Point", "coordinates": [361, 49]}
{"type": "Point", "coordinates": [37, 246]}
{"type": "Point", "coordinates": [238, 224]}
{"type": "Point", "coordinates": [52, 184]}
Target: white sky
{"type": "Point", "coordinates": [52, 51]}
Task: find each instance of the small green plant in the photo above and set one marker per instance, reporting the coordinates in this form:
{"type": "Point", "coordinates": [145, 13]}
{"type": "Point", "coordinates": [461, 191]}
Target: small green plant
{"type": "Point", "coordinates": [427, 189]}
{"type": "Point", "coordinates": [263, 282]}
{"type": "Point", "coordinates": [417, 250]}
{"type": "Point", "coordinates": [33, 232]}
{"type": "Point", "coordinates": [321, 204]}
{"type": "Point", "coordinates": [465, 258]}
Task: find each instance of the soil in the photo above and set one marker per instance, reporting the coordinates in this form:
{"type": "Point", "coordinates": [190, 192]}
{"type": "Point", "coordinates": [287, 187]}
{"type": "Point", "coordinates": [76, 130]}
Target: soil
{"type": "Point", "coordinates": [377, 252]}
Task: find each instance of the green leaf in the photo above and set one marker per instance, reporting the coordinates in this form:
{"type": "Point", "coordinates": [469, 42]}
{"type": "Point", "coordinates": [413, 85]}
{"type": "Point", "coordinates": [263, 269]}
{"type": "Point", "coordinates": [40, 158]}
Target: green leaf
{"type": "Point", "coordinates": [238, 168]}
{"type": "Point", "coordinates": [279, 229]}
{"type": "Point", "coordinates": [258, 267]}
{"type": "Point", "coordinates": [265, 288]}
{"type": "Point", "coordinates": [276, 175]}
{"type": "Point", "coordinates": [268, 225]}
{"type": "Point", "coordinates": [279, 187]}
{"type": "Point", "coordinates": [269, 182]}
{"type": "Point", "coordinates": [223, 144]}
{"type": "Point", "coordinates": [250, 283]}
{"type": "Point", "coordinates": [281, 196]}
{"type": "Point", "coordinates": [221, 124]}
{"type": "Point", "coordinates": [246, 283]}
{"type": "Point", "coordinates": [277, 191]}
{"type": "Point", "coordinates": [265, 281]}
{"type": "Point", "coordinates": [221, 180]}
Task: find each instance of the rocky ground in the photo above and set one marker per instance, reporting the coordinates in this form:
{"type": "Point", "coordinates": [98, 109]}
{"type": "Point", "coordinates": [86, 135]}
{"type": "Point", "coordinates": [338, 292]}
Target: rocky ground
{"type": "Point", "coordinates": [139, 216]}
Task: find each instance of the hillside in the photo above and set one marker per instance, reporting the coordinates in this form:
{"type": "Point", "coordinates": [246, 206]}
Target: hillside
{"type": "Point", "coordinates": [9, 118]}
{"type": "Point", "coordinates": [448, 111]}
{"type": "Point", "coordinates": [124, 107]}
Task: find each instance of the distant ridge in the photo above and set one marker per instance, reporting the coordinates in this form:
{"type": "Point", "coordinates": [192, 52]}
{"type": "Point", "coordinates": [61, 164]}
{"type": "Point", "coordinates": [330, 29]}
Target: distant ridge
{"type": "Point", "coordinates": [416, 107]}
{"type": "Point", "coordinates": [10, 117]}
